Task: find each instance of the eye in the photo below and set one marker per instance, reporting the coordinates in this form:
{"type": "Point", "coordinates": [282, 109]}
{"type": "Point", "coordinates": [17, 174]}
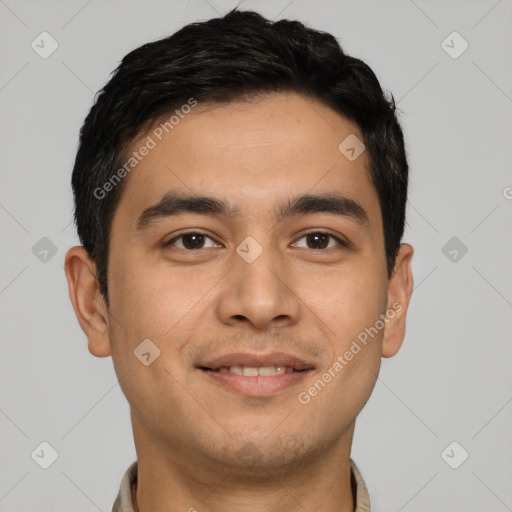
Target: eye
{"type": "Point", "coordinates": [320, 240]}
{"type": "Point", "coordinates": [191, 241]}
{"type": "Point", "coordinates": [194, 241]}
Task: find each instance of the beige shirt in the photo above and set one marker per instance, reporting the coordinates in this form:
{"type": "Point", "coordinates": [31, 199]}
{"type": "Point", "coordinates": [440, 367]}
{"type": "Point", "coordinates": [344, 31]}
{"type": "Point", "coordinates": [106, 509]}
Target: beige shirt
{"type": "Point", "coordinates": [124, 502]}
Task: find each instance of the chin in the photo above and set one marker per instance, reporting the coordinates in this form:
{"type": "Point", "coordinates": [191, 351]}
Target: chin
{"type": "Point", "coordinates": [255, 454]}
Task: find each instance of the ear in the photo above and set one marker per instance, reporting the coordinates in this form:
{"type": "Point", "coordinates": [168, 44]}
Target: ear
{"type": "Point", "coordinates": [88, 302]}
{"type": "Point", "coordinates": [399, 294]}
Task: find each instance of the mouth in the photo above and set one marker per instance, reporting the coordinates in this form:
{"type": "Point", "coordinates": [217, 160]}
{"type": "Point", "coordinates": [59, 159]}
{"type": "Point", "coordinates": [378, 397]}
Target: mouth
{"type": "Point", "coordinates": [255, 371]}
{"type": "Point", "coordinates": [253, 375]}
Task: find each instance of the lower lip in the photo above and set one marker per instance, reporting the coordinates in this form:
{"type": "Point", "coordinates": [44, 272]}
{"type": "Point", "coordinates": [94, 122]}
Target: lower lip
{"type": "Point", "coordinates": [256, 386]}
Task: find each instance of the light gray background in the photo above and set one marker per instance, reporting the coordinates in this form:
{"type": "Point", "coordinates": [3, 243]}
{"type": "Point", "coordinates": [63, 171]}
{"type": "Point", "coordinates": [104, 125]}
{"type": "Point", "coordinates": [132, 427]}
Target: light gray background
{"type": "Point", "coordinates": [451, 381]}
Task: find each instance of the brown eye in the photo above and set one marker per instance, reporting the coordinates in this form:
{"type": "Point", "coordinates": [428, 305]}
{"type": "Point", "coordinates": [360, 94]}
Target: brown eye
{"type": "Point", "coordinates": [190, 241]}
{"type": "Point", "coordinates": [319, 240]}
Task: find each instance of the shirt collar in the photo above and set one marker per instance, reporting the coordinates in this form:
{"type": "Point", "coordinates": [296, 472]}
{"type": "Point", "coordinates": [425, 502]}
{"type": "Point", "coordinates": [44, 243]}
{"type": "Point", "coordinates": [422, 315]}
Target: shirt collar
{"type": "Point", "coordinates": [124, 502]}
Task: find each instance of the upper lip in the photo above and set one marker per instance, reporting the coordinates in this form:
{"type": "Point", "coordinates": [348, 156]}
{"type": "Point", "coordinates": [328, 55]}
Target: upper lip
{"type": "Point", "coordinates": [256, 360]}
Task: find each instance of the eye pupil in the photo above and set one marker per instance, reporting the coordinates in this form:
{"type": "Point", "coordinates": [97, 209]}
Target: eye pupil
{"type": "Point", "coordinates": [320, 241]}
{"type": "Point", "coordinates": [192, 241]}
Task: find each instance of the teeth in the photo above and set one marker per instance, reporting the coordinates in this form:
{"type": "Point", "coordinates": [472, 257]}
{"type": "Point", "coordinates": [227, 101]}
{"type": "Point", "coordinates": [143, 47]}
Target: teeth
{"type": "Point", "coordinates": [266, 371]}
{"type": "Point", "coordinates": [237, 370]}
{"type": "Point", "coordinates": [251, 371]}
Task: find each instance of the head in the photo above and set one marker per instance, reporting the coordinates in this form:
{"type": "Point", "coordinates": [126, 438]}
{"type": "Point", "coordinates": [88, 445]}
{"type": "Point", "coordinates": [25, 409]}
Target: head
{"type": "Point", "coordinates": [220, 214]}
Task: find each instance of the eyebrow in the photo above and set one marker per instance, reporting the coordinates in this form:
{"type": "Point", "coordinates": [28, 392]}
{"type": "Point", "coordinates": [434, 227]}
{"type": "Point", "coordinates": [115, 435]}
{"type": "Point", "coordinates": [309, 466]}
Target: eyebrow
{"type": "Point", "coordinates": [174, 203]}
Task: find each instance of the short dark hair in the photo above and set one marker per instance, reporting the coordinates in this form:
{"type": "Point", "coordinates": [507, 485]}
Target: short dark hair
{"type": "Point", "coordinates": [221, 60]}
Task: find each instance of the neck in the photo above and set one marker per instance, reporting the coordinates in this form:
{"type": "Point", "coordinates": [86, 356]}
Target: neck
{"type": "Point", "coordinates": [169, 481]}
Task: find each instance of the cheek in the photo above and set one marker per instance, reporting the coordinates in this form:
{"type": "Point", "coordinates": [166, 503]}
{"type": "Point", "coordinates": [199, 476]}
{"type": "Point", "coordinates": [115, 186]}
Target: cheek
{"type": "Point", "coordinates": [350, 308]}
{"type": "Point", "coordinates": [348, 302]}
{"type": "Point", "coordinates": [153, 300]}
{"type": "Point", "coordinates": [151, 303]}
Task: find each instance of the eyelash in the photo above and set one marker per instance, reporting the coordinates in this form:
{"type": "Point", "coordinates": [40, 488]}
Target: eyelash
{"type": "Point", "coordinates": [340, 241]}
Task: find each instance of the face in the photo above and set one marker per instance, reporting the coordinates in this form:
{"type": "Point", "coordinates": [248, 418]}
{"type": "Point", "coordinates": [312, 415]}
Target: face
{"type": "Point", "coordinates": [257, 300]}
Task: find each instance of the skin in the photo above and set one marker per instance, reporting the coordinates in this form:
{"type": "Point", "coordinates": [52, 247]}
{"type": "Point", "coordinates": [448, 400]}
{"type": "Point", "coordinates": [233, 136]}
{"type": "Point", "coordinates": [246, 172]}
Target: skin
{"type": "Point", "coordinates": [189, 433]}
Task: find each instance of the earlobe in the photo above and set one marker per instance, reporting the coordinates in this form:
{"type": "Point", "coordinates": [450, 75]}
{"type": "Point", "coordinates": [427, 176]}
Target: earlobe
{"type": "Point", "coordinates": [87, 300]}
{"type": "Point", "coordinates": [399, 294]}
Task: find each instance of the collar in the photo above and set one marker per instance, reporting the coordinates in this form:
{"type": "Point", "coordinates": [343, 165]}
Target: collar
{"type": "Point", "coordinates": [124, 502]}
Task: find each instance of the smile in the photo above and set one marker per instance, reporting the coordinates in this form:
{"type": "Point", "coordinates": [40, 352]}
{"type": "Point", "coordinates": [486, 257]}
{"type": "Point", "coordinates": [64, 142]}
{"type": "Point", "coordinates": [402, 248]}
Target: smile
{"type": "Point", "coordinates": [255, 371]}
{"type": "Point", "coordinates": [255, 375]}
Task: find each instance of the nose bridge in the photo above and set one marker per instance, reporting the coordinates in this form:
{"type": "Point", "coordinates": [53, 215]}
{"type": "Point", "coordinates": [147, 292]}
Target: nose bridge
{"type": "Point", "coordinates": [259, 272]}
{"type": "Point", "coordinates": [257, 267]}
{"type": "Point", "coordinates": [257, 290]}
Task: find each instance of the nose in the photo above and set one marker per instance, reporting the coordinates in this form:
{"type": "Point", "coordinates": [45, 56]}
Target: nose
{"type": "Point", "coordinates": [259, 293]}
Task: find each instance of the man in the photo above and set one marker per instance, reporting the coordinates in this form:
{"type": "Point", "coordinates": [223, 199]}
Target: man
{"type": "Point", "coordinates": [240, 192]}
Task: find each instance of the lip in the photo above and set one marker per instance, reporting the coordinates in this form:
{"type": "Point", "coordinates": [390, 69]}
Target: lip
{"type": "Point", "coordinates": [256, 386]}
{"type": "Point", "coordinates": [259, 386]}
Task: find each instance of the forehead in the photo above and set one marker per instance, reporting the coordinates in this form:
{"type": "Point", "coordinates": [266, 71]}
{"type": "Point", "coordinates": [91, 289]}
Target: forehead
{"type": "Point", "coordinates": [250, 153]}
